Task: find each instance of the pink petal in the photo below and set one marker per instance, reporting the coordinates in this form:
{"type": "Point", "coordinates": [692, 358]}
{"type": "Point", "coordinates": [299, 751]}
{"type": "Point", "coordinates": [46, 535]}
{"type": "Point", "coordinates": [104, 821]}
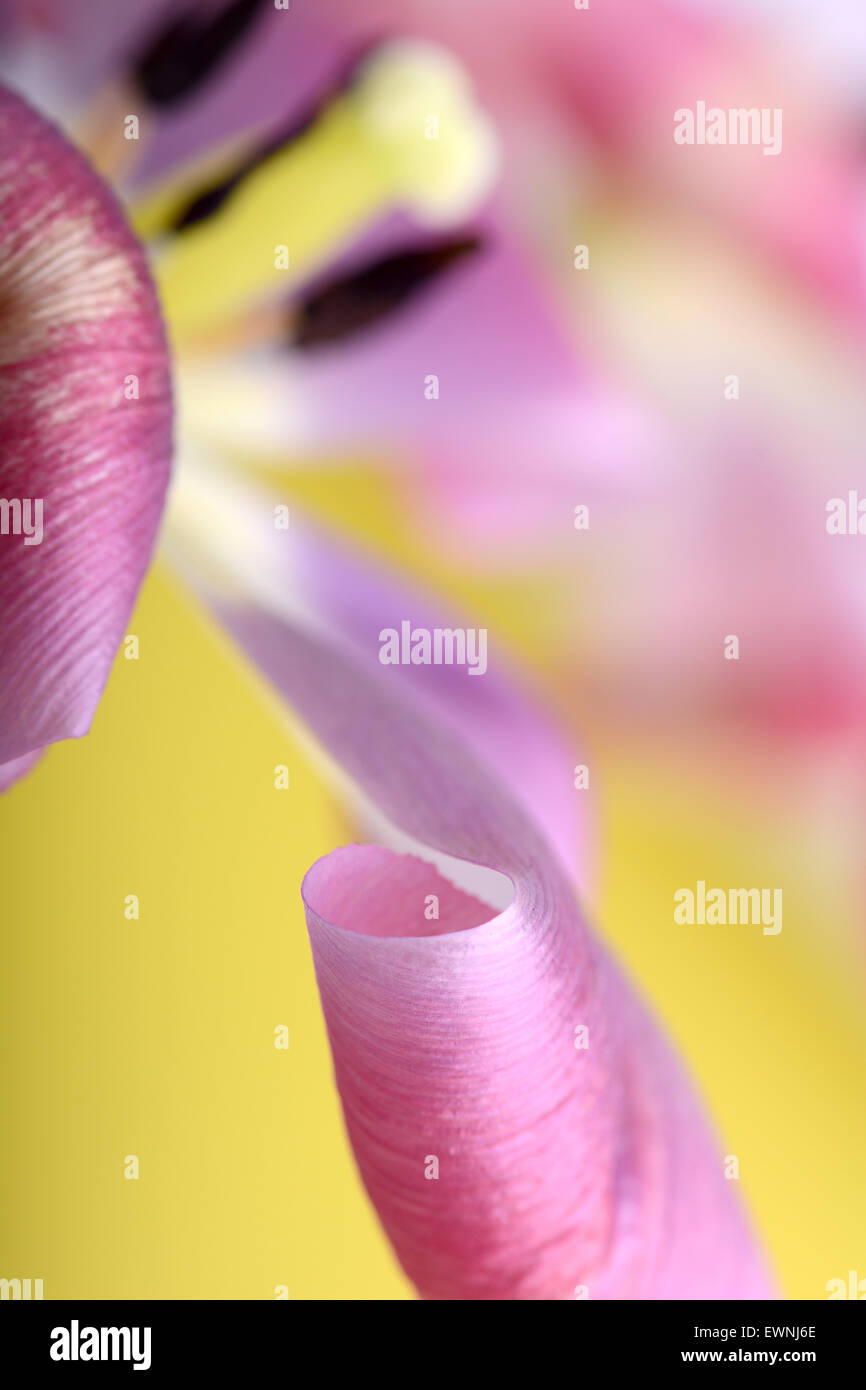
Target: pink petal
{"type": "Point", "coordinates": [79, 321]}
{"type": "Point", "coordinates": [454, 1038]}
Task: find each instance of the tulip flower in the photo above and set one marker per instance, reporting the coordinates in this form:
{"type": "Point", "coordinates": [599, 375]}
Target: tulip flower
{"type": "Point", "coordinates": [521, 1125]}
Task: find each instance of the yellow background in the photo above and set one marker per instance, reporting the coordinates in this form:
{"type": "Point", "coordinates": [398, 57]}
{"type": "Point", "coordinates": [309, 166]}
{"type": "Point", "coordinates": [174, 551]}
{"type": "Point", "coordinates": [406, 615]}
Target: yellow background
{"type": "Point", "coordinates": [156, 1037]}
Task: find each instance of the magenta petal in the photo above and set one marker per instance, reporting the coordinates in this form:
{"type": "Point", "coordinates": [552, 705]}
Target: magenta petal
{"type": "Point", "coordinates": [559, 1168]}
{"type": "Point", "coordinates": [85, 431]}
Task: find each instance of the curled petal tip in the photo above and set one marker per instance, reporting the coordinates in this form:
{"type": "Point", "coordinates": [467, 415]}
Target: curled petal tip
{"type": "Point", "coordinates": [522, 1127]}
{"type": "Point", "coordinates": [518, 1126]}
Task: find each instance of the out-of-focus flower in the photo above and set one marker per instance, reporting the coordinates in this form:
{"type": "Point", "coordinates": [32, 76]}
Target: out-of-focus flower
{"type": "Point", "coordinates": [563, 1167]}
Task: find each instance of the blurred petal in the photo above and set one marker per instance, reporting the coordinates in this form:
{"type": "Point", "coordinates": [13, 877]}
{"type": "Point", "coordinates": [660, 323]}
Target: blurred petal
{"type": "Point", "coordinates": [613, 78]}
{"type": "Point", "coordinates": [222, 537]}
{"type": "Point", "coordinates": [86, 431]}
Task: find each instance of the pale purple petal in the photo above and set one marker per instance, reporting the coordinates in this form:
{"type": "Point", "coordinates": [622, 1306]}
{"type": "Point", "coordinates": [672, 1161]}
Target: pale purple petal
{"type": "Point", "coordinates": [350, 598]}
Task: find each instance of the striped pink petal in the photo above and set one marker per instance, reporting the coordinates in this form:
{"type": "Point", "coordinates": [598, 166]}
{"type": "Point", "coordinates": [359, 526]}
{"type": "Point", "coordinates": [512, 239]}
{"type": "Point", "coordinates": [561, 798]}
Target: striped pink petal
{"type": "Point", "coordinates": [85, 432]}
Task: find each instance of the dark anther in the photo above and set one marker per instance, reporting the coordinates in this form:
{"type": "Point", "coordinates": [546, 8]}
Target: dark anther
{"type": "Point", "coordinates": [349, 306]}
{"type": "Point", "coordinates": [186, 51]}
